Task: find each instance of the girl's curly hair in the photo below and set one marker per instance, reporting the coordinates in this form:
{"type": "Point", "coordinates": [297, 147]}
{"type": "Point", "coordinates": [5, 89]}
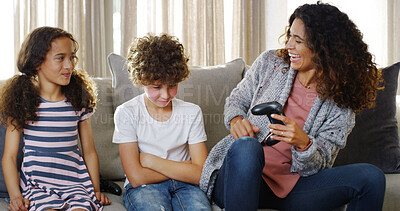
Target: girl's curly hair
{"type": "Point", "coordinates": [157, 58]}
{"type": "Point", "coordinates": [345, 70]}
{"type": "Point", "coordinates": [20, 95]}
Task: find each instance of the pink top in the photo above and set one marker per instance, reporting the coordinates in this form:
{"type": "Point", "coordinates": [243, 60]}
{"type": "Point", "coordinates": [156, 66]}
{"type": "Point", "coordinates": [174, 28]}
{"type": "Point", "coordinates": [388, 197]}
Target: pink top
{"type": "Point", "coordinates": [278, 158]}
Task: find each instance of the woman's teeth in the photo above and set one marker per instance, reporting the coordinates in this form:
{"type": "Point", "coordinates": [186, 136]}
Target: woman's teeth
{"type": "Point", "coordinates": [294, 56]}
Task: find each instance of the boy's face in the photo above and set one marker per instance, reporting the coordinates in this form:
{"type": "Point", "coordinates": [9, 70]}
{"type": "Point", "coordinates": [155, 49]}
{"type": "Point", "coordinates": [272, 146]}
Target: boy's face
{"type": "Point", "coordinates": [160, 94]}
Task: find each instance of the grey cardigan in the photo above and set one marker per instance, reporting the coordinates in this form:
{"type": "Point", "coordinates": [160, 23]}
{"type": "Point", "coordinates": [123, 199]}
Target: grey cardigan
{"type": "Point", "coordinates": [271, 79]}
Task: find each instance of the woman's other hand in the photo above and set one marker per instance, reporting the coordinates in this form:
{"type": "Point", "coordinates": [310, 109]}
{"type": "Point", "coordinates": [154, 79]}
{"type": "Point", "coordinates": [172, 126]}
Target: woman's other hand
{"type": "Point", "coordinates": [241, 127]}
{"type": "Point", "coordinates": [290, 133]}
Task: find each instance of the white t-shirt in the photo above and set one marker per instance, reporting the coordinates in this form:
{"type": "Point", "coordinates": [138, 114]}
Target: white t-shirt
{"type": "Point", "coordinates": [169, 139]}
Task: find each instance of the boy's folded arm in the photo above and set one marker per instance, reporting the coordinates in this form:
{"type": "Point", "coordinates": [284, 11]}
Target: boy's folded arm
{"type": "Point", "coordinates": [135, 172]}
{"type": "Point", "coordinates": [185, 171]}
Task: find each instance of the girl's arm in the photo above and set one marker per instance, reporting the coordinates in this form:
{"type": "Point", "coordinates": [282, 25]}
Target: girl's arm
{"type": "Point", "coordinates": [9, 164]}
{"type": "Point", "coordinates": [189, 172]}
{"type": "Point", "coordinates": [135, 172]}
{"type": "Point", "coordinates": [91, 159]}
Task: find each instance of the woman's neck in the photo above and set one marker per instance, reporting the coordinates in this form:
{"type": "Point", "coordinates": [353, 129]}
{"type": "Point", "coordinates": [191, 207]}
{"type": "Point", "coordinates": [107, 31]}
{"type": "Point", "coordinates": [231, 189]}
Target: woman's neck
{"type": "Point", "coordinates": [307, 79]}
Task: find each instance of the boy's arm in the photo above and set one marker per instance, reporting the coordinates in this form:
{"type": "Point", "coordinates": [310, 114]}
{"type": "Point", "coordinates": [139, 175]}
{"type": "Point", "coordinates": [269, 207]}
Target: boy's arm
{"type": "Point", "coordinates": [91, 158]}
{"type": "Point", "coordinates": [189, 172]}
{"type": "Point", "coordinates": [135, 172]}
{"type": "Point", "coordinates": [9, 164]}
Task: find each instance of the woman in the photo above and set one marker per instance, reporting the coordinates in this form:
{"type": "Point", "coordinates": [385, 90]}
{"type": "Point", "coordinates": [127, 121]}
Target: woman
{"type": "Point", "coordinates": [322, 77]}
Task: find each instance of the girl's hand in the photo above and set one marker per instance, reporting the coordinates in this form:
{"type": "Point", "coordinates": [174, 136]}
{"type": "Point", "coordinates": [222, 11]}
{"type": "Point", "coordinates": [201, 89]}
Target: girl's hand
{"type": "Point", "coordinates": [103, 199]}
{"type": "Point", "coordinates": [290, 133]}
{"type": "Point", "coordinates": [242, 127]}
{"type": "Point", "coordinates": [19, 204]}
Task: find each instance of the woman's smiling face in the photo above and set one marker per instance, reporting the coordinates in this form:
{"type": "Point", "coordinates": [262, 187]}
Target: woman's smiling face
{"type": "Point", "coordinates": [300, 54]}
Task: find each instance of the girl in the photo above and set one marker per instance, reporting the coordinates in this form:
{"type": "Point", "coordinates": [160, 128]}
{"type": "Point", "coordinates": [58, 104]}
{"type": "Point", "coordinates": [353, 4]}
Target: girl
{"type": "Point", "coordinates": [50, 102]}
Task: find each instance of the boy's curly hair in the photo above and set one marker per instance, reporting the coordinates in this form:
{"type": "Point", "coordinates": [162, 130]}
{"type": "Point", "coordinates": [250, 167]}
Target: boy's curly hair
{"type": "Point", "coordinates": [345, 70]}
{"type": "Point", "coordinates": [157, 58]}
{"type": "Point", "coordinates": [20, 95]}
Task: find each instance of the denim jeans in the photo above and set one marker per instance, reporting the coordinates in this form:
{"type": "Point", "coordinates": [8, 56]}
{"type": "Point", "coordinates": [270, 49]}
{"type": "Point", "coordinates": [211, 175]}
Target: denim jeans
{"type": "Point", "coordinates": [239, 185]}
{"type": "Point", "coordinates": [168, 195]}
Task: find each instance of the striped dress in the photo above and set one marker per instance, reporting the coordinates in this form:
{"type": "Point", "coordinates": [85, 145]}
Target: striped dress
{"type": "Point", "coordinates": [53, 173]}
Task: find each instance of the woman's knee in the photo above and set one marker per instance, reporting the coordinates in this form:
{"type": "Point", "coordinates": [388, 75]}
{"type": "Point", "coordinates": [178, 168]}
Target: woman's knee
{"type": "Point", "coordinates": [373, 176]}
{"type": "Point", "coordinates": [367, 176]}
{"type": "Point", "coordinates": [246, 144]}
{"type": "Point", "coordinates": [246, 152]}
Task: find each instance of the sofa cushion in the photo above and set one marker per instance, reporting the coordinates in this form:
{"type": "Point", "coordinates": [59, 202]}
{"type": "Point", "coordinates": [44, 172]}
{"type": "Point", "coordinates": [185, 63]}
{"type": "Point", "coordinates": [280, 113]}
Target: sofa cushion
{"type": "Point", "coordinates": [207, 87]}
{"type": "Point", "coordinates": [123, 89]}
{"type": "Point", "coordinates": [375, 137]}
{"type": "Point", "coordinates": [3, 188]}
{"type": "Point", "coordinates": [103, 128]}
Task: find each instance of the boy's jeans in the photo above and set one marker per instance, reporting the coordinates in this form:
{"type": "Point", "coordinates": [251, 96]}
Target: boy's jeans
{"type": "Point", "coordinates": [167, 195]}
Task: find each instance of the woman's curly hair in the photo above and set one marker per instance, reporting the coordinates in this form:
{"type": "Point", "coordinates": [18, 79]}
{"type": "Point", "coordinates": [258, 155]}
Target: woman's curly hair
{"type": "Point", "coordinates": [20, 95]}
{"type": "Point", "coordinates": [345, 70]}
{"type": "Point", "coordinates": [157, 58]}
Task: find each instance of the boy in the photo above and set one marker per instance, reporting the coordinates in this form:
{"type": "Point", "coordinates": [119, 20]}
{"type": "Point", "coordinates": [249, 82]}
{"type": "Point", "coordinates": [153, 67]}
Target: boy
{"type": "Point", "coordinates": [161, 139]}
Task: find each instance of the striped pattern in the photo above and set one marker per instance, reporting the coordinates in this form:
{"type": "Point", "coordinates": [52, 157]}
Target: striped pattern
{"type": "Point", "coordinates": [53, 173]}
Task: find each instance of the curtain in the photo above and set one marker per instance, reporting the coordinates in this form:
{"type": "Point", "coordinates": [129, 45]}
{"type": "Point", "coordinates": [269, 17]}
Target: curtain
{"type": "Point", "coordinates": [208, 38]}
{"type": "Point", "coordinates": [393, 31]}
{"type": "Point", "coordinates": [85, 19]}
{"type": "Point", "coordinates": [257, 25]}
{"type": "Point", "coordinates": [199, 25]}
{"type": "Point", "coordinates": [203, 31]}
{"type": "Point", "coordinates": [128, 24]}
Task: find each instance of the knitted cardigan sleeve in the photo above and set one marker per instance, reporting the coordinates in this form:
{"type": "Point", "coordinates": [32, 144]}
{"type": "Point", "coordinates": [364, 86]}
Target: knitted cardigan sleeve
{"type": "Point", "coordinates": [241, 98]}
{"type": "Point", "coordinates": [328, 131]}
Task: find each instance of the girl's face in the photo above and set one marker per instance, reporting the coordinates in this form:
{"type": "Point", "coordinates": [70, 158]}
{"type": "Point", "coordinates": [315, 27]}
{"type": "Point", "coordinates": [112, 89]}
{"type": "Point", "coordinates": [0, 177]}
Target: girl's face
{"type": "Point", "coordinates": [58, 64]}
{"type": "Point", "coordinates": [160, 95]}
{"type": "Point", "coordinates": [300, 54]}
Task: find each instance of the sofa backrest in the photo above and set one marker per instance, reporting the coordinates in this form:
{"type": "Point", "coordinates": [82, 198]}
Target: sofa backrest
{"type": "Point", "coordinates": [207, 87]}
{"type": "Point", "coordinates": [103, 128]}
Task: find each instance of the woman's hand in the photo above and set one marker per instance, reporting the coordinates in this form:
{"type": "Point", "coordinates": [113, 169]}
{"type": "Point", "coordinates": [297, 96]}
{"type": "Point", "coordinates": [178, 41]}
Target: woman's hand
{"type": "Point", "coordinates": [19, 204]}
{"type": "Point", "coordinates": [242, 127]}
{"type": "Point", "coordinates": [290, 133]}
{"type": "Point", "coordinates": [103, 199]}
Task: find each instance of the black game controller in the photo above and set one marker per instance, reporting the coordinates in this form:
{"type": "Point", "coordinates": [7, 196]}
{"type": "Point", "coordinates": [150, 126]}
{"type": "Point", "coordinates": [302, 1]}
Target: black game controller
{"type": "Point", "coordinates": [268, 109]}
{"type": "Point", "coordinates": [110, 187]}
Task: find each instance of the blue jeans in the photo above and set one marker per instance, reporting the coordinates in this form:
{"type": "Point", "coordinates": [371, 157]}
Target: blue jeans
{"type": "Point", "coordinates": [239, 185]}
{"type": "Point", "coordinates": [168, 195]}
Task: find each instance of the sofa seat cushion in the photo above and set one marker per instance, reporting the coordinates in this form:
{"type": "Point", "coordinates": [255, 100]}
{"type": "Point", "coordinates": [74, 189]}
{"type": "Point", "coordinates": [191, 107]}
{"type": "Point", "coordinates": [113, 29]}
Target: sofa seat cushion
{"type": "Point", "coordinates": [375, 137]}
